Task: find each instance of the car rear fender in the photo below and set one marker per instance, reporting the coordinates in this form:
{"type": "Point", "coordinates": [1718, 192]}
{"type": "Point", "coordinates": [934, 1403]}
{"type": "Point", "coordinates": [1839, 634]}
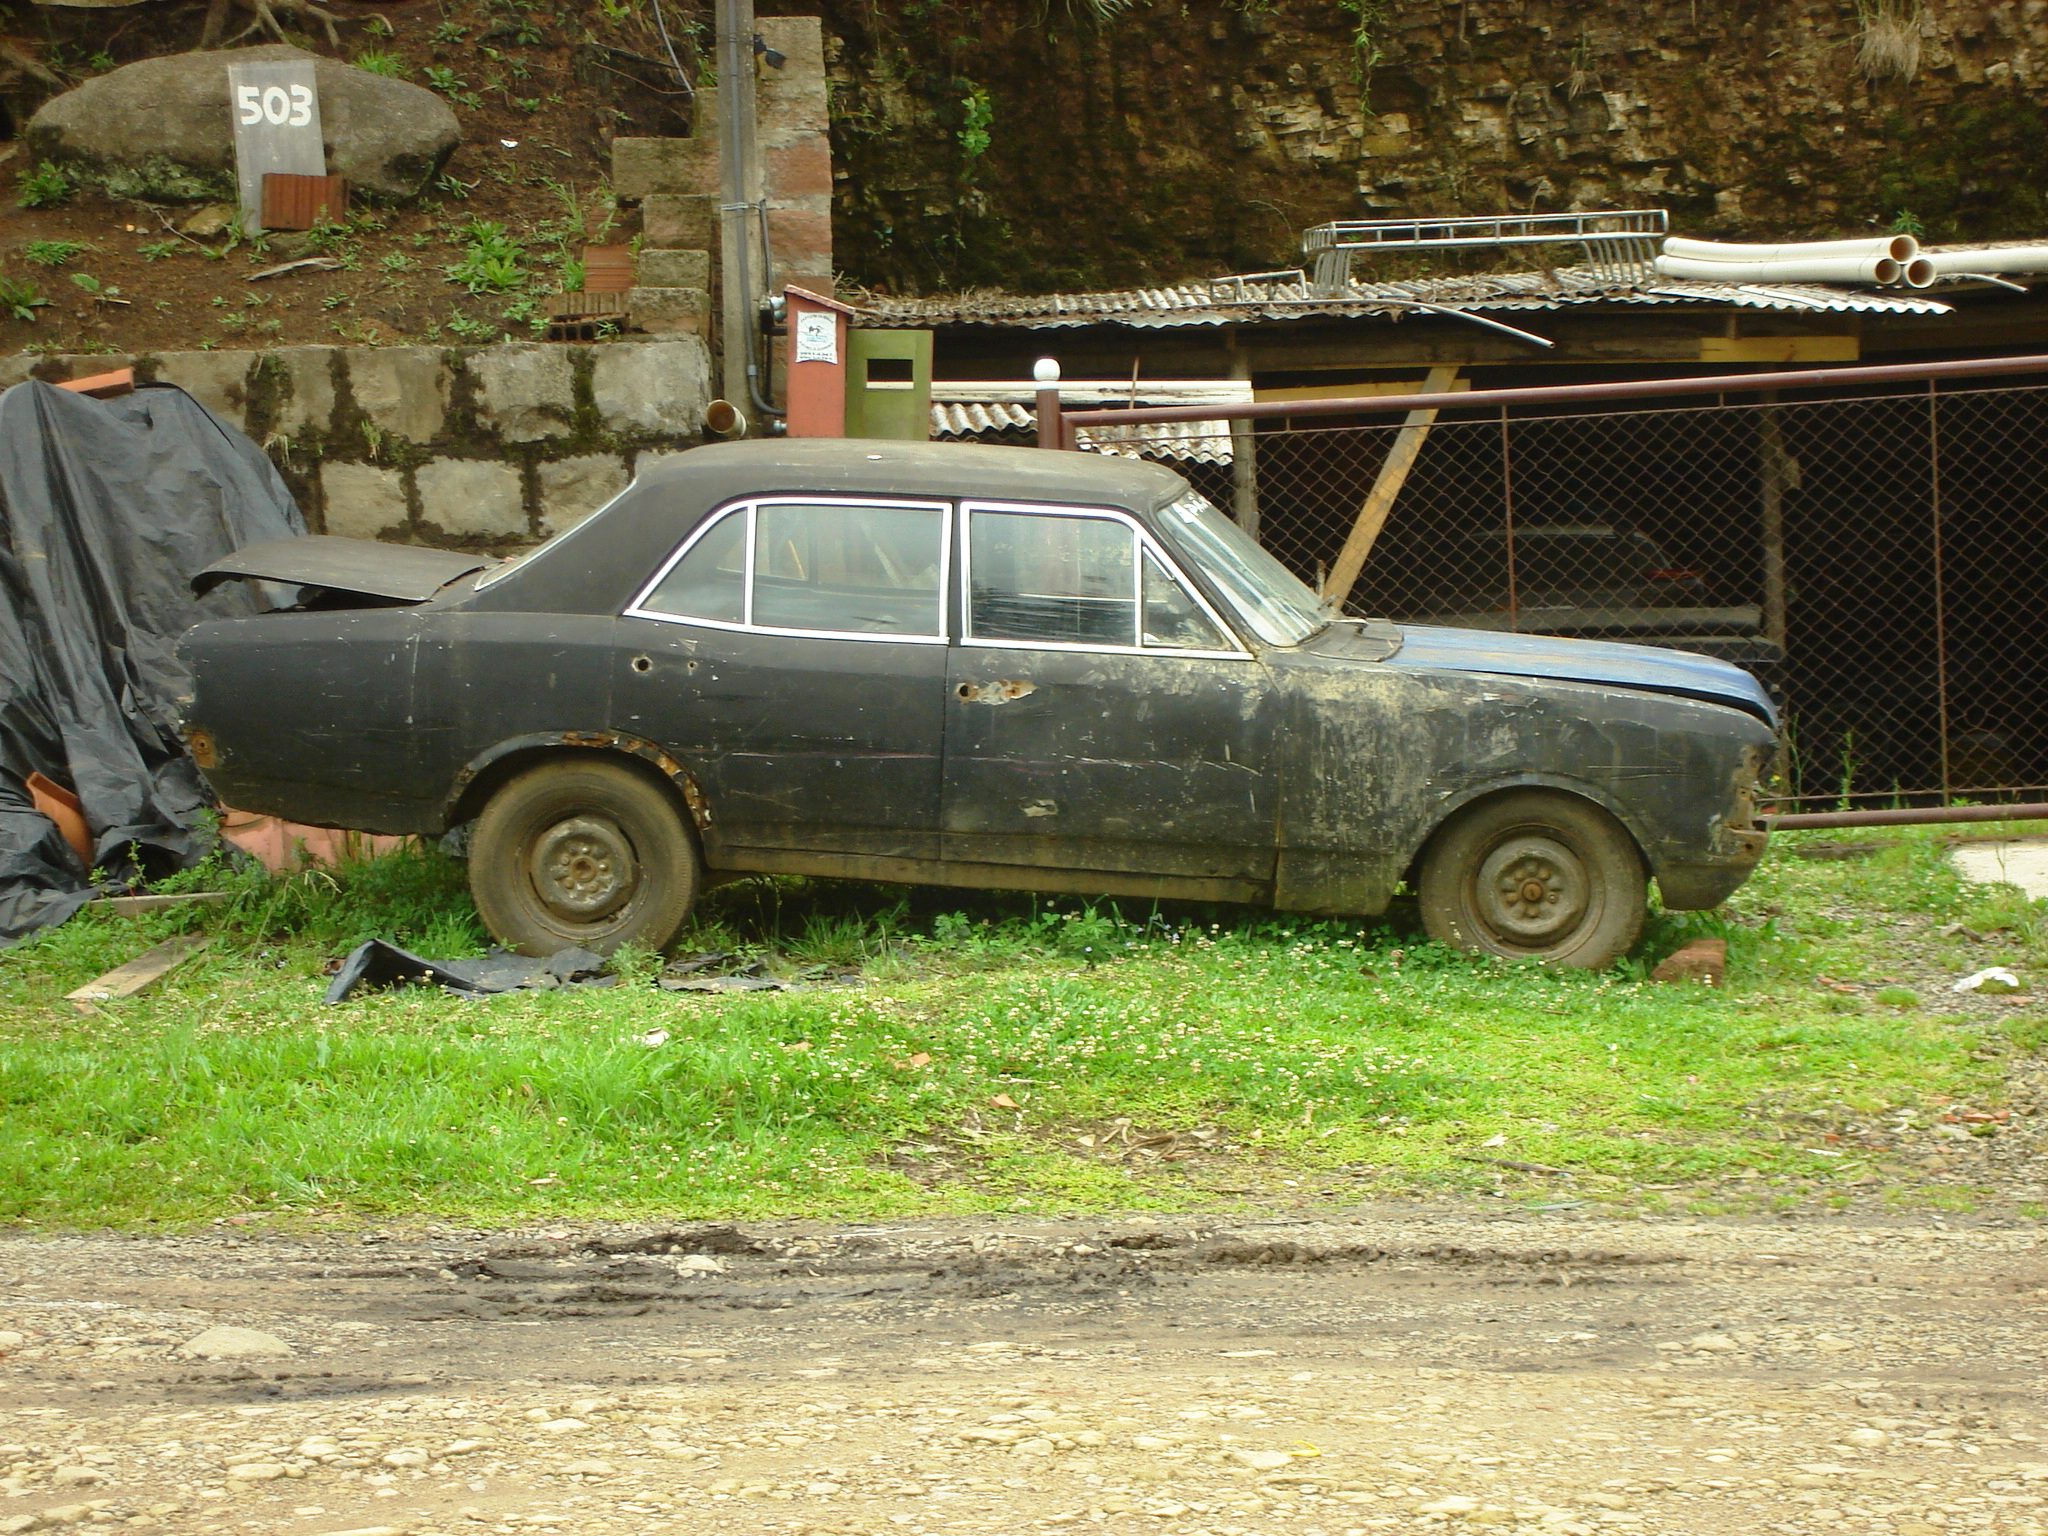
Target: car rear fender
{"type": "Point", "coordinates": [477, 779]}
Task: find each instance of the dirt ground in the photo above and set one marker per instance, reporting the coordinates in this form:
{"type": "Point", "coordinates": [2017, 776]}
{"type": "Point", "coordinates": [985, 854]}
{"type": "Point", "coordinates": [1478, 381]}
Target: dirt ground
{"type": "Point", "coordinates": [1420, 1367]}
{"type": "Point", "coordinates": [538, 91]}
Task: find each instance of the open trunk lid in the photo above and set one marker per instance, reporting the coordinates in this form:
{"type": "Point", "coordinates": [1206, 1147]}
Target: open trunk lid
{"type": "Point", "coordinates": [344, 568]}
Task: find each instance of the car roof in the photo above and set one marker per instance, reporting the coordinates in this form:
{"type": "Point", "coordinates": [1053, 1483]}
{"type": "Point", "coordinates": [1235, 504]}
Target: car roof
{"type": "Point", "coordinates": [618, 547]}
{"type": "Point", "coordinates": [720, 472]}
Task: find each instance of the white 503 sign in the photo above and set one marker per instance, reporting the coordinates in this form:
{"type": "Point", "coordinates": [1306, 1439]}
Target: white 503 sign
{"type": "Point", "coordinates": [276, 114]}
{"type": "Point", "coordinates": [281, 106]}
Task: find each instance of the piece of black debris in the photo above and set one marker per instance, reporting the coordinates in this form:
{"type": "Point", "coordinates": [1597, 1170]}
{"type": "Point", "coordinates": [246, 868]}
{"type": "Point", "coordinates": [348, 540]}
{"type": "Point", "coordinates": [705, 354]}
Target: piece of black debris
{"type": "Point", "coordinates": [379, 964]}
{"type": "Point", "coordinates": [723, 984]}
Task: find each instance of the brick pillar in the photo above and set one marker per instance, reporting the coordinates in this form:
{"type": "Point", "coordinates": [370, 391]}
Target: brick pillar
{"type": "Point", "coordinates": [796, 153]}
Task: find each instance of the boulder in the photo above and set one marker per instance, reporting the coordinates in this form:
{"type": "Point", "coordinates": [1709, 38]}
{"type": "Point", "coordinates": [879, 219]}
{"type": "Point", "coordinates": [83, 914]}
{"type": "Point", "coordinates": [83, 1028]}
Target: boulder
{"type": "Point", "coordinates": [162, 126]}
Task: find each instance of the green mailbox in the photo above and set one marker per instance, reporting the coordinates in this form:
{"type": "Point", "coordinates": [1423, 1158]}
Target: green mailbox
{"type": "Point", "coordinates": [889, 384]}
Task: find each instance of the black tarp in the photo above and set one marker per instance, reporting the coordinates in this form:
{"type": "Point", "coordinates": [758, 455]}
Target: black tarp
{"type": "Point", "coordinates": [107, 510]}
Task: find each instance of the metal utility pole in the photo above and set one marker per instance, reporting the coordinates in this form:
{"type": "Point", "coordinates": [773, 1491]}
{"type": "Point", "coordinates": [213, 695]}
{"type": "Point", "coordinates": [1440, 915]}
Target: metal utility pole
{"type": "Point", "coordinates": [739, 197]}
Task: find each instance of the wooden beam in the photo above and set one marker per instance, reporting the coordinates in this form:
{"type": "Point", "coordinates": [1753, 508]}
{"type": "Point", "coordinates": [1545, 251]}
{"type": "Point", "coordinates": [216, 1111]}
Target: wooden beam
{"type": "Point", "coordinates": [1631, 343]}
{"type": "Point", "coordinates": [1365, 391]}
{"type": "Point", "coordinates": [149, 966]}
{"type": "Point", "coordinates": [103, 386]}
{"type": "Point", "coordinates": [1779, 349]}
{"type": "Point", "coordinates": [1386, 487]}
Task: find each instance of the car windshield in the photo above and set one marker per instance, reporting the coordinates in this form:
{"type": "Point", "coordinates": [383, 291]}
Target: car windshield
{"type": "Point", "coordinates": [1268, 597]}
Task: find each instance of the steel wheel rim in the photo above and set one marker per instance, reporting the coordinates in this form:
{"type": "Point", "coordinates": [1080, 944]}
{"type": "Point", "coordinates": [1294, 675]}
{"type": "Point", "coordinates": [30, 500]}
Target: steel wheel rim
{"type": "Point", "coordinates": [1532, 890]}
{"type": "Point", "coordinates": [583, 869]}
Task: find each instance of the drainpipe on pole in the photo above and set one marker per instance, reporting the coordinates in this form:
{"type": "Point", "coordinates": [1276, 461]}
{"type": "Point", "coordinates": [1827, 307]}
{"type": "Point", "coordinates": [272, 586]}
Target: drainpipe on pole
{"type": "Point", "coordinates": [1046, 372]}
{"type": "Point", "coordinates": [739, 189]}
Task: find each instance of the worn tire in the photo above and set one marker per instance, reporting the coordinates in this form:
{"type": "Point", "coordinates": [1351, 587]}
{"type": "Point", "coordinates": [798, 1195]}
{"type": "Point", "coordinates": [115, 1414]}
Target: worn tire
{"type": "Point", "coordinates": [1535, 875]}
{"type": "Point", "coordinates": [581, 851]}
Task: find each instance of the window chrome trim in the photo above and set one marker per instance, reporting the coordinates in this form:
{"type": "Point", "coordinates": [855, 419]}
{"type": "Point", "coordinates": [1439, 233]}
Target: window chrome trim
{"type": "Point", "coordinates": [1143, 543]}
{"type": "Point", "coordinates": [747, 509]}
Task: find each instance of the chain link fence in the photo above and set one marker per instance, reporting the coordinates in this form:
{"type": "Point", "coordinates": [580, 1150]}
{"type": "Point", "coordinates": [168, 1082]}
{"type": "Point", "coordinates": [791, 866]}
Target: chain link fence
{"type": "Point", "coordinates": [1873, 555]}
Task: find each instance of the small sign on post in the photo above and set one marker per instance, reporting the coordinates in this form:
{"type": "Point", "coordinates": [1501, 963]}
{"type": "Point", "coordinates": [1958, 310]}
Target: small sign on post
{"type": "Point", "coordinates": [276, 113]}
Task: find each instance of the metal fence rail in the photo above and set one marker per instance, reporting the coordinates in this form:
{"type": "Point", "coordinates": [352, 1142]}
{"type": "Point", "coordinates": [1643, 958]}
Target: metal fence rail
{"type": "Point", "coordinates": [1871, 542]}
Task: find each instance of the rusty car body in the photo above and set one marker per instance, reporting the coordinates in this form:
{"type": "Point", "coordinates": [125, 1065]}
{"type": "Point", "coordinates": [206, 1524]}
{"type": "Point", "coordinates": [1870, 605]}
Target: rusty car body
{"type": "Point", "coordinates": [970, 666]}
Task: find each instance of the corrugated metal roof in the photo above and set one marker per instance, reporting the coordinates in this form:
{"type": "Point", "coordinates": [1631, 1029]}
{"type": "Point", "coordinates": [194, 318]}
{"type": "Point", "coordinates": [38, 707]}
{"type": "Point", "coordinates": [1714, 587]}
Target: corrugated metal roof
{"type": "Point", "coordinates": [975, 418]}
{"type": "Point", "coordinates": [1198, 442]}
{"type": "Point", "coordinates": [1194, 442]}
{"type": "Point", "coordinates": [1229, 301]}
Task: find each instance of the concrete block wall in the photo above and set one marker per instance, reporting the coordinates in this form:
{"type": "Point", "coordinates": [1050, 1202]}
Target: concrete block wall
{"type": "Point", "coordinates": [479, 448]}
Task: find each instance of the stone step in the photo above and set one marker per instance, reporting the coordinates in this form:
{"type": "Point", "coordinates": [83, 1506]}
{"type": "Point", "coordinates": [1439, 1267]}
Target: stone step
{"type": "Point", "coordinates": [643, 168]}
{"type": "Point", "coordinates": [674, 269]}
{"type": "Point", "coordinates": [671, 311]}
{"type": "Point", "coordinates": [672, 221]}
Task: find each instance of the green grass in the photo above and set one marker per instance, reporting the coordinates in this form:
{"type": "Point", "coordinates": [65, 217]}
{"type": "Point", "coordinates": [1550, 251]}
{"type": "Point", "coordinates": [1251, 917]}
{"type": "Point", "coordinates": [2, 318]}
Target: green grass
{"type": "Point", "coordinates": [54, 253]}
{"type": "Point", "coordinates": [1001, 1053]}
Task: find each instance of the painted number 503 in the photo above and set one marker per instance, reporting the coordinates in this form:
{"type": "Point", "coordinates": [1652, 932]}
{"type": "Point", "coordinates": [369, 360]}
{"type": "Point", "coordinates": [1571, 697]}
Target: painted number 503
{"type": "Point", "coordinates": [277, 105]}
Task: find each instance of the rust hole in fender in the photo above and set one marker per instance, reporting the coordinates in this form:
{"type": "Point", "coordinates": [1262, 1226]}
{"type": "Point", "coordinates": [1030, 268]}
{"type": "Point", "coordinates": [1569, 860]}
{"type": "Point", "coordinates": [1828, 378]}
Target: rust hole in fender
{"type": "Point", "coordinates": [643, 664]}
{"type": "Point", "coordinates": [1002, 691]}
{"type": "Point", "coordinates": [201, 745]}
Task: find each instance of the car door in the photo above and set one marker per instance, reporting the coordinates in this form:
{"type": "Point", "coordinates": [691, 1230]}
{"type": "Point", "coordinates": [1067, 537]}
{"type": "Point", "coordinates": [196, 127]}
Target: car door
{"type": "Point", "coordinates": [792, 655]}
{"type": "Point", "coordinates": [1100, 715]}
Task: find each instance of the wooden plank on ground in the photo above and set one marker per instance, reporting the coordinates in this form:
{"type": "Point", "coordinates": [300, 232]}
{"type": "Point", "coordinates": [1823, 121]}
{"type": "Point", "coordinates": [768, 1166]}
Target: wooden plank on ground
{"type": "Point", "coordinates": [127, 906]}
{"type": "Point", "coordinates": [149, 966]}
{"type": "Point", "coordinates": [1386, 489]}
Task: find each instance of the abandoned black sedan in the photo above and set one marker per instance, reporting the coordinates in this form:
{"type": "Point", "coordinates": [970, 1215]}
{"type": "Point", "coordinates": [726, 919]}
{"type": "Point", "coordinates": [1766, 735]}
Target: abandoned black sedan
{"type": "Point", "coordinates": [965, 666]}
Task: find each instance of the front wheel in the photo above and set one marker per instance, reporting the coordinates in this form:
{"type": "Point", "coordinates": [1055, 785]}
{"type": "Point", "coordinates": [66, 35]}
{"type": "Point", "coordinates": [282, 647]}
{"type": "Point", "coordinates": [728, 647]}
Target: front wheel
{"type": "Point", "coordinates": [1535, 875]}
{"type": "Point", "coordinates": [582, 852]}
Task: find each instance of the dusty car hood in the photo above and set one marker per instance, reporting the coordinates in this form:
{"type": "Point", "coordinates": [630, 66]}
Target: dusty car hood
{"type": "Point", "coordinates": [364, 567]}
{"type": "Point", "coordinates": [1648, 667]}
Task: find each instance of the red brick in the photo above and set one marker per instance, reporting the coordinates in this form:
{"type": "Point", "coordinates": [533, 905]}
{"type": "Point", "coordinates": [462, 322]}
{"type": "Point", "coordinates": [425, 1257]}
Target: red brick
{"type": "Point", "coordinates": [803, 169]}
{"type": "Point", "coordinates": [803, 239]}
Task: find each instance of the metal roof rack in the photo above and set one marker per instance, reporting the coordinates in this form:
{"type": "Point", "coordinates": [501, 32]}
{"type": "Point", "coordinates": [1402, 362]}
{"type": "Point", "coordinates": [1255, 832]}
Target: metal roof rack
{"type": "Point", "coordinates": [1620, 245]}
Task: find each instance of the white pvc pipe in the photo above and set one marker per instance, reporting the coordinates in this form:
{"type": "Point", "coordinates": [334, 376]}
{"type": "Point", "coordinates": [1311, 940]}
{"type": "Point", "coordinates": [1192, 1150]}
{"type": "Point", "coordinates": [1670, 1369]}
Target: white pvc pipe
{"type": "Point", "coordinates": [1918, 273]}
{"type": "Point", "coordinates": [1900, 248]}
{"type": "Point", "coordinates": [1808, 269]}
{"type": "Point", "coordinates": [2010, 258]}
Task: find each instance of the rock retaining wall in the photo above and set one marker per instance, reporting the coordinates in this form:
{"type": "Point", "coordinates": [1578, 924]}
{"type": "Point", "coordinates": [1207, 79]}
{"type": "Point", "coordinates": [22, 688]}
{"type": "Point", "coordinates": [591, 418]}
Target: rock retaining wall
{"type": "Point", "coordinates": [1182, 141]}
{"type": "Point", "coordinates": [482, 448]}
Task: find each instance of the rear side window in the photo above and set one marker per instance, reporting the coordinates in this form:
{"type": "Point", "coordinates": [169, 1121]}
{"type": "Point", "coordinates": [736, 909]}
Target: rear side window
{"type": "Point", "coordinates": [710, 581]}
{"type": "Point", "coordinates": [848, 569]}
{"type": "Point", "coordinates": [812, 567]}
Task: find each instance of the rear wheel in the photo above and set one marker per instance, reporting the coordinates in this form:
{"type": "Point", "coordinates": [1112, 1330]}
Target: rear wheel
{"type": "Point", "coordinates": [582, 852]}
{"type": "Point", "coordinates": [1535, 875]}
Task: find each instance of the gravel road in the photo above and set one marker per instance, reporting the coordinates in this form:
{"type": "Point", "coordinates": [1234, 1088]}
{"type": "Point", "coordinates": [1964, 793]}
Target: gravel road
{"type": "Point", "coordinates": [1415, 1368]}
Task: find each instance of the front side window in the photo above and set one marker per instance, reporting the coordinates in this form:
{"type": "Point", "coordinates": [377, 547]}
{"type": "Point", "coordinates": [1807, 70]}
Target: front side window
{"type": "Point", "coordinates": [836, 568]}
{"type": "Point", "coordinates": [1270, 599]}
{"type": "Point", "coordinates": [1173, 619]}
{"type": "Point", "coordinates": [1051, 579]}
{"type": "Point", "coordinates": [1082, 579]}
